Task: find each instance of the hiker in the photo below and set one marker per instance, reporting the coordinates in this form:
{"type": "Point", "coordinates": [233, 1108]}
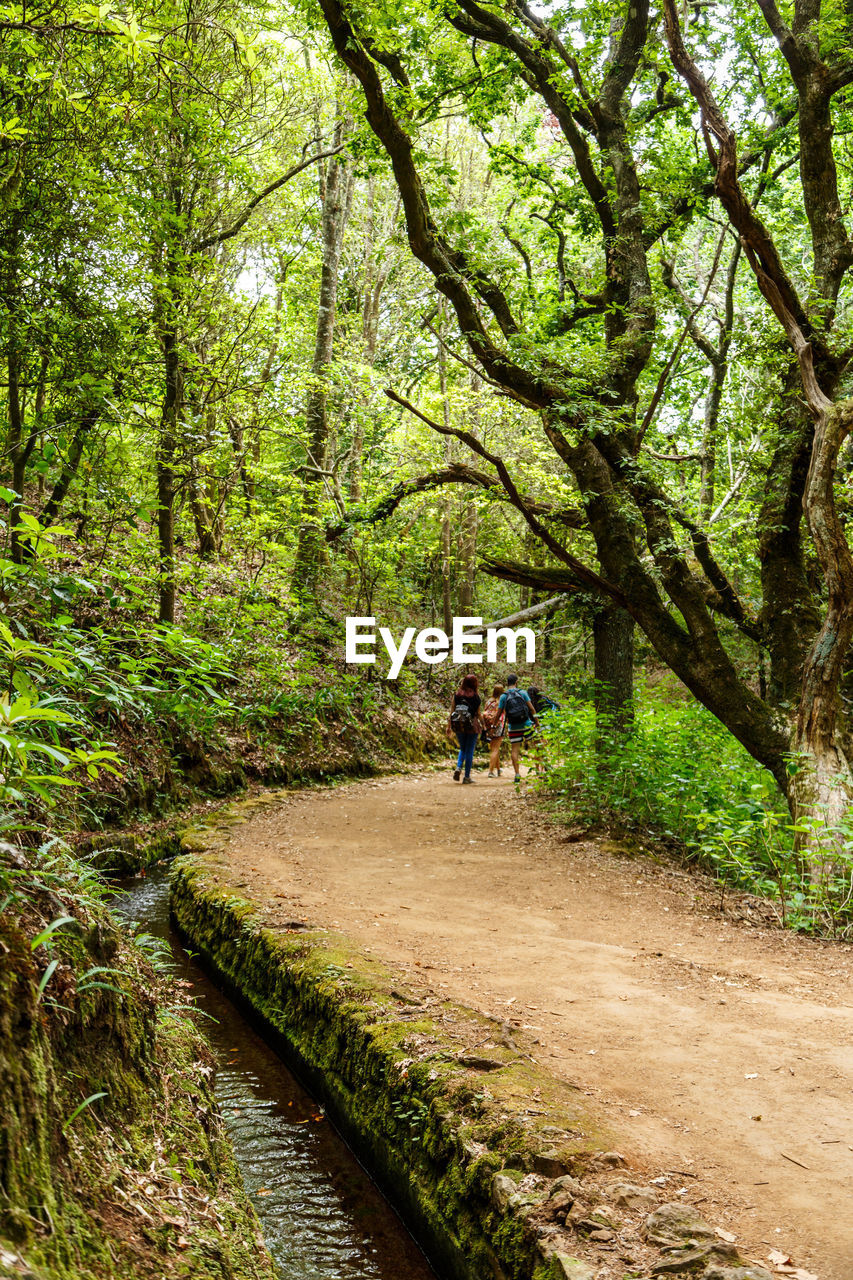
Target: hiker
{"type": "Point", "coordinates": [542, 704]}
{"type": "Point", "coordinates": [493, 722]}
{"type": "Point", "coordinates": [521, 720]}
{"type": "Point", "coordinates": [464, 720]}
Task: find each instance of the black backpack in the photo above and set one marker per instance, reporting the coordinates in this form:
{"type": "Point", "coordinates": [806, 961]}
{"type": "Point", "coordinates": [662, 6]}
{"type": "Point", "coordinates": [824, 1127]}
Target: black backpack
{"type": "Point", "coordinates": [516, 706]}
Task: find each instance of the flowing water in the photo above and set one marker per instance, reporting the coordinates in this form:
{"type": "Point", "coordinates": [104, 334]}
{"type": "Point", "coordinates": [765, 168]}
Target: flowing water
{"type": "Point", "coordinates": [322, 1216]}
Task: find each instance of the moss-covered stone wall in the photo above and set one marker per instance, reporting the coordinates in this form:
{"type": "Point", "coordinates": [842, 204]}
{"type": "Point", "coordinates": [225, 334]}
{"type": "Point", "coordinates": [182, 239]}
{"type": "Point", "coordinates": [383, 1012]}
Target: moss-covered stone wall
{"type": "Point", "coordinates": [414, 1120]}
{"type": "Point", "coordinates": [164, 770]}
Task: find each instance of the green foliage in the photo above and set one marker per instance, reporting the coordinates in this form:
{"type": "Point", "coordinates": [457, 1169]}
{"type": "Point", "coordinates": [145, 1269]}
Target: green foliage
{"type": "Point", "coordinates": [681, 778]}
{"type": "Point", "coordinates": [33, 725]}
{"type": "Point", "coordinates": [160, 277]}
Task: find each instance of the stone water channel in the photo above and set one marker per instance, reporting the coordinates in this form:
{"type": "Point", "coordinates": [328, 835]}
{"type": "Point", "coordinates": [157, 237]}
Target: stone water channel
{"type": "Point", "coordinates": [322, 1216]}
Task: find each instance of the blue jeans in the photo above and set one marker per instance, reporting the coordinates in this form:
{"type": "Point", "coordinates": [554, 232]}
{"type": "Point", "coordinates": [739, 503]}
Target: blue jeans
{"type": "Point", "coordinates": [467, 743]}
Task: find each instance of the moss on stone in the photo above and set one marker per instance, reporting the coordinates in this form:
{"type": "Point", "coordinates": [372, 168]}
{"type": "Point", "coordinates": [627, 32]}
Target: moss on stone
{"type": "Point", "coordinates": [178, 772]}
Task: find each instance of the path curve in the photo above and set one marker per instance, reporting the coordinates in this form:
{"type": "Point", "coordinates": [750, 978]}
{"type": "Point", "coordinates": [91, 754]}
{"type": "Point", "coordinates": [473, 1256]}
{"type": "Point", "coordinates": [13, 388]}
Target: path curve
{"type": "Point", "coordinates": [720, 1052]}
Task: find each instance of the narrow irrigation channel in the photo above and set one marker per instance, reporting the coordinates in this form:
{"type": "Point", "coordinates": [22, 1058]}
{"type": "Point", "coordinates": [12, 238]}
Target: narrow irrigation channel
{"type": "Point", "coordinates": [322, 1216]}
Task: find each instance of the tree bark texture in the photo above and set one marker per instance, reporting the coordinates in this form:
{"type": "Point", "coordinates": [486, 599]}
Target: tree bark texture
{"type": "Point", "coordinates": [613, 649]}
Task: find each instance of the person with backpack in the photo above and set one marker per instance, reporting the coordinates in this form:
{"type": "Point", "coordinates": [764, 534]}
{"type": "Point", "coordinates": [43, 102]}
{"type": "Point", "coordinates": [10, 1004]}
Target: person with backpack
{"type": "Point", "coordinates": [521, 720]}
{"type": "Point", "coordinates": [542, 704]}
{"type": "Point", "coordinates": [464, 721]}
{"type": "Point", "coordinates": [493, 720]}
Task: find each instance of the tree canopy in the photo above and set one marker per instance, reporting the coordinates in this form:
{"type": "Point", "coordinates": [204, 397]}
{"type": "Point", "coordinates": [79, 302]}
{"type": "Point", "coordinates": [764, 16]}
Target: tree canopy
{"type": "Point", "coordinates": [440, 308]}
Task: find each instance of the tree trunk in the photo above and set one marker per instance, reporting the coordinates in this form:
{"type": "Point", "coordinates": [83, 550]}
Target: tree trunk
{"type": "Point", "coordinates": [206, 510]}
{"type": "Point", "coordinates": [469, 525]}
{"type": "Point", "coordinates": [246, 442]}
{"type": "Point", "coordinates": [819, 795]}
{"type": "Point", "coordinates": [238, 444]}
{"type": "Point", "coordinates": [446, 593]}
{"type": "Point", "coordinates": [446, 532]}
{"type": "Point", "coordinates": [167, 445]}
{"type": "Point", "coordinates": [310, 549]}
{"type": "Point", "coordinates": [19, 446]}
{"type": "Point", "coordinates": [822, 785]}
{"type": "Point", "coordinates": [708, 468]}
{"type": "Point", "coordinates": [613, 643]}
{"type": "Point", "coordinates": [467, 558]}
{"type": "Point", "coordinates": [717, 355]}
{"type": "Point", "coordinates": [533, 555]}
{"type": "Point", "coordinates": [69, 466]}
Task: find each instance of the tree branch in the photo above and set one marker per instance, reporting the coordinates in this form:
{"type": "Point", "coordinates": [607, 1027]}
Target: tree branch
{"type": "Point", "coordinates": [758, 245]}
{"type": "Point", "coordinates": [221, 236]}
{"type": "Point", "coordinates": [690, 327]}
{"type": "Point", "coordinates": [538, 71]}
{"type": "Point", "coordinates": [450, 268]}
{"type": "Point", "coordinates": [539, 577]}
{"type": "Point", "coordinates": [581, 571]}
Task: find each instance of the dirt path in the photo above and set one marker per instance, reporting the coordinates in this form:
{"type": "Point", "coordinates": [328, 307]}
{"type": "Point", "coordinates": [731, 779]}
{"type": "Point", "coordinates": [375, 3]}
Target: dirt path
{"type": "Point", "coordinates": [714, 1046]}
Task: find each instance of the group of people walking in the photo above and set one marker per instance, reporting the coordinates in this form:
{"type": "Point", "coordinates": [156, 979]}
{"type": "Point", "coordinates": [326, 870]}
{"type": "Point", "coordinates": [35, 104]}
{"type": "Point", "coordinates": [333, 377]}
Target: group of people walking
{"type": "Point", "coordinates": [511, 712]}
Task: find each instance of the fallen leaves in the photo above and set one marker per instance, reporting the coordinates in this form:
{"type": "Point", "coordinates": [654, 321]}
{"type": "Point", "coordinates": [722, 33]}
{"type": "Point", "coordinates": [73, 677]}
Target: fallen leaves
{"type": "Point", "coordinates": [783, 1266]}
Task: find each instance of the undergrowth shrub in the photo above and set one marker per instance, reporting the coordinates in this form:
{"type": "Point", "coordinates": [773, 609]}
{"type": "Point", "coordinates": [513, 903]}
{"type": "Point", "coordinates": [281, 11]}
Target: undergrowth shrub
{"type": "Point", "coordinates": [681, 777]}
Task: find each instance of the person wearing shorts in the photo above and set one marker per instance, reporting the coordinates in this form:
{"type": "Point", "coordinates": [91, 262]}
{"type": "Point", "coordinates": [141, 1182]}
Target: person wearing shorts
{"type": "Point", "coordinates": [520, 719]}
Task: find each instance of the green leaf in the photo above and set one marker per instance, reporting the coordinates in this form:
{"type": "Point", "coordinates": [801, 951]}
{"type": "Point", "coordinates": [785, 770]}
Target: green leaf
{"type": "Point", "coordinates": [50, 930]}
{"type": "Point", "coordinates": [87, 1102]}
{"type": "Point", "coordinates": [45, 978]}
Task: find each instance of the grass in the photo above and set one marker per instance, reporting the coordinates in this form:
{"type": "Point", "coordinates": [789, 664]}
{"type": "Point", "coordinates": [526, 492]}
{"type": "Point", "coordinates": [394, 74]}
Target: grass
{"type": "Point", "coordinates": [681, 777]}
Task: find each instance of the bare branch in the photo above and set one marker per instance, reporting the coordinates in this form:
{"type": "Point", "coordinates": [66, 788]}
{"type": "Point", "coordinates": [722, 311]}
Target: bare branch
{"type": "Point", "coordinates": [673, 457]}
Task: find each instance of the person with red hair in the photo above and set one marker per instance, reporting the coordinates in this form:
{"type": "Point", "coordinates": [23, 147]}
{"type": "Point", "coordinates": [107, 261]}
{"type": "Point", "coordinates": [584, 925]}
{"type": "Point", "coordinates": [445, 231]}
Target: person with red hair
{"type": "Point", "coordinates": [464, 721]}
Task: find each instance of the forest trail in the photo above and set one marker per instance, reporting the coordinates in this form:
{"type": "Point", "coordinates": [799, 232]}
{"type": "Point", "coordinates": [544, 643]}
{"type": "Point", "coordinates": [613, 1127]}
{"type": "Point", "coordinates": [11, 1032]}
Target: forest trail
{"type": "Point", "coordinates": [715, 1049]}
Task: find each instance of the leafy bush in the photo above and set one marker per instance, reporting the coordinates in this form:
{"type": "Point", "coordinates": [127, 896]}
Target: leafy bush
{"type": "Point", "coordinates": [684, 779]}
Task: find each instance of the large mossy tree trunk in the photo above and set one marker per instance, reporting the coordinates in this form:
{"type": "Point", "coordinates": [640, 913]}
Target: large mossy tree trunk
{"type": "Point", "coordinates": [613, 646]}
